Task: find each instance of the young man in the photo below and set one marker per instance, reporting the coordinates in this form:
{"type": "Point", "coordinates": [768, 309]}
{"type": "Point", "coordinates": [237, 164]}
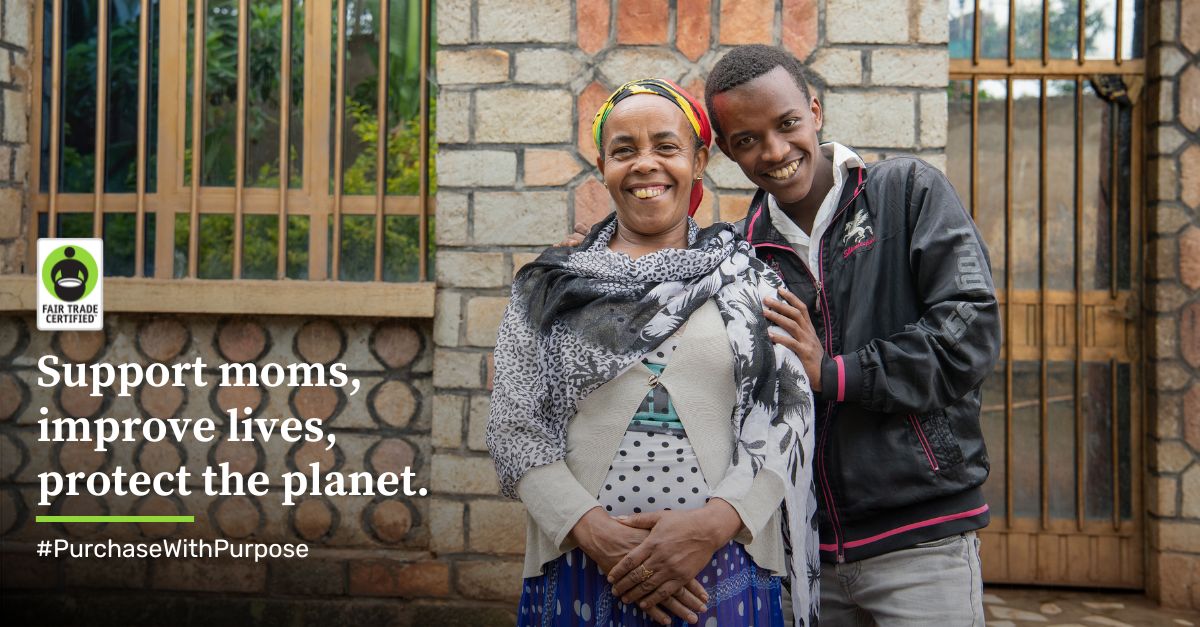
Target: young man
{"type": "Point", "coordinates": [893, 312]}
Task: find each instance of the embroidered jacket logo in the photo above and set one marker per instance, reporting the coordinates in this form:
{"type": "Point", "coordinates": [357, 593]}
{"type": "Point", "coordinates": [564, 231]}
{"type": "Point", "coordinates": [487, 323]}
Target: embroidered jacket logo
{"type": "Point", "coordinates": [857, 230]}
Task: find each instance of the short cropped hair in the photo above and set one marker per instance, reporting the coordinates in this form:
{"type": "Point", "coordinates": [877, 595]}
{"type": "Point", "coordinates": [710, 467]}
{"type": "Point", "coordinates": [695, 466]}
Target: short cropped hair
{"type": "Point", "coordinates": [744, 64]}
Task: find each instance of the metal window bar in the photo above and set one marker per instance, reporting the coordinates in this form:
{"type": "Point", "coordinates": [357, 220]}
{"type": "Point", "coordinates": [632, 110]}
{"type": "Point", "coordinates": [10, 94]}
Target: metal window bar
{"type": "Point", "coordinates": [1114, 191]}
{"type": "Point", "coordinates": [1045, 33]}
{"type": "Point", "coordinates": [381, 134]}
{"type": "Point", "coordinates": [974, 144]}
{"type": "Point", "coordinates": [339, 141]}
{"type": "Point", "coordinates": [1119, 31]}
{"type": "Point", "coordinates": [171, 131]}
{"type": "Point", "coordinates": [139, 255]}
{"type": "Point", "coordinates": [1064, 68]}
{"type": "Point", "coordinates": [1087, 337]}
{"type": "Point", "coordinates": [101, 117]}
{"type": "Point", "coordinates": [1082, 31]}
{"type": "Point", "coordinates": [1114, 421]}
{"type": "Point", "coordinates": [1008, 299]}
{"type": "Point", "coordinates": [315, 166]}
{"type": "Point", "coordinates": [285, 101]}
{"type": "Point", "coordinates": [55, 115]}
{"type": "Point", "coordinates": [976, 23]}
{"type": "Point", "coordinates": [198, 48]}
{"type": "Point", "coordinates": [192, 197]}
{"type": "Point", "coordinates": [239, 175]}
{"type": "Point", "coordinates": [1080, 450]}
{"type": "Point", "coordinates": [1012, 32]}
{"type": "Point", "coordinates": [423, 162]}
{"type": "Point", "coordinates": [1114, 124]}
{"type": "Point", "coordinates": [1043, 297]}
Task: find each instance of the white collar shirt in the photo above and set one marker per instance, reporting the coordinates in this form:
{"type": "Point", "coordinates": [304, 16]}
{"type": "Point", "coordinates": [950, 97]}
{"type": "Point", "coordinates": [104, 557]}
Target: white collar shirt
{"type": "Point", "coordinates": [843, 159]}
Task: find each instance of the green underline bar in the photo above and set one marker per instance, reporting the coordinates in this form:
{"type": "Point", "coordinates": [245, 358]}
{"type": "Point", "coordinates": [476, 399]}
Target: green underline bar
{"type": "Point", "coordinates": [116, 519]}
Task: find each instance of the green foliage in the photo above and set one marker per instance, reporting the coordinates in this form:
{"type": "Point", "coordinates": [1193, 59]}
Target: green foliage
{"type": "Point", "coordinates": [403, 153]}
{"type": "Point", "coordinates": [120, 236]}
{"type": "Point", "coordinates": [264, 76]}
{"type": "Point", "coordinates": [400, 248]}
{"type": "Point", "coordinates": [1063, 31]}
{"type": "Point", "coordinates": [80, 43]}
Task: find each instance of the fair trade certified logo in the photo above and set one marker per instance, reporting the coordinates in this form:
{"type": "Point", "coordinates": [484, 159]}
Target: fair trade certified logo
{"type": "Point", "coordinates": [70, 284]}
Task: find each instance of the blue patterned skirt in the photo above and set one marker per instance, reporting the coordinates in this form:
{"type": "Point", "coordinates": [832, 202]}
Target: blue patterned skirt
{"type": "Point", "coordinates": [573, 591]}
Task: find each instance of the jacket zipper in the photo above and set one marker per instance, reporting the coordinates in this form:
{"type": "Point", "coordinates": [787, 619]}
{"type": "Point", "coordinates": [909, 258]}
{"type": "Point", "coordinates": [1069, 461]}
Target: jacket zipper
{"type": "Point", "coordinates": [826, 494]}
{"type": "Point", "coordinates": [824, 306]}
{"type": "Point", "coordinates": [916, 424]}
{"type": "Point", "coordinates": [823, 309]}
{"type": "Point", "coordinates": [829, 503]}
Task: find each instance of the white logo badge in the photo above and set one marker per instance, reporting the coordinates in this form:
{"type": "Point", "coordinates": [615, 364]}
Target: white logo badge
{"type": "Point", "coordinates": [70, 282]}
{"type": "Point", "coordinates": [857, 229]}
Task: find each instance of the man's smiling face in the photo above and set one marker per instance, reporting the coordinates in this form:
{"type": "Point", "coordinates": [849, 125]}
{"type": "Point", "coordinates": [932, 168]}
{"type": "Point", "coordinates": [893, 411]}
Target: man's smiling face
{"type": "Point", "coordinates": [769, 127]}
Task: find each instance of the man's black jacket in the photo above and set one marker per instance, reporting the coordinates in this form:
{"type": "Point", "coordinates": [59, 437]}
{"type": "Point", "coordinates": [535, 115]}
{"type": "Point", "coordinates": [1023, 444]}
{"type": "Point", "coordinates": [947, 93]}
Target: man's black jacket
{"type": "Point", "coordinates": [904, 304]}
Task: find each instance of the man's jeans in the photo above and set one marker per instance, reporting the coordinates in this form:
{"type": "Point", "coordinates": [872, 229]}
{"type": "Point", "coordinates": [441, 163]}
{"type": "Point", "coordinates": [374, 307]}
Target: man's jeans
{"type": "Point", "coordinates": [932, 583]}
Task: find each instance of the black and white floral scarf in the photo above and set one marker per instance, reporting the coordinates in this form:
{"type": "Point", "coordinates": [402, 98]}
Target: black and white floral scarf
{"type": "Point", "coordinates": [579, 317]}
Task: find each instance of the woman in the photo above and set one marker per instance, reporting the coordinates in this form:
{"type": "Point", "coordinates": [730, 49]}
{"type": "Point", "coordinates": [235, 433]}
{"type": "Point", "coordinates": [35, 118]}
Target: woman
{"type": "Point", "coordinates": [635, 377]}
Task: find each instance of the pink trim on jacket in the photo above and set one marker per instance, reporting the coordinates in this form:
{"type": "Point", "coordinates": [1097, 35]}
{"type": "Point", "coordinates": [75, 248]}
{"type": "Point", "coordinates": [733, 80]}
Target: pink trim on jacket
{"type": "Point", "coordinates": [898, 530]}
{"type": "Point", "coordinates": [841, 382]}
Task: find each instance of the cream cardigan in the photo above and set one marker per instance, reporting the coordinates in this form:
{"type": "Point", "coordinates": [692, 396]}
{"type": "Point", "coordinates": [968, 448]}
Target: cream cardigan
{"type": "Point", "coordinates": [701, 383]}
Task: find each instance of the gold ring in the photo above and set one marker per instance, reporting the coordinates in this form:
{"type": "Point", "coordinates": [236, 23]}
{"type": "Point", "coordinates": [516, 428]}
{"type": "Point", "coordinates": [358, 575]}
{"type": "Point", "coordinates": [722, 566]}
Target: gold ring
{"type": "Point", "coordinates": [645, 574]}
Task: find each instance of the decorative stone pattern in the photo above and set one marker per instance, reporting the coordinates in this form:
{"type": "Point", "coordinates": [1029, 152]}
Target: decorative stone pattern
{"type": "Point", "coordinates": [384, 427]}
{"type": "Point", "coordinates": [517, 170]}
{"type": "Point", "coordinates": [1173, 310]}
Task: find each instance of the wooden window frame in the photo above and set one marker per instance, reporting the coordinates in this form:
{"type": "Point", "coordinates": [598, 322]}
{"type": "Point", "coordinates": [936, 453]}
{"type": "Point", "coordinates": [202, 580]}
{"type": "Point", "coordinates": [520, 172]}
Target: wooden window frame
{"type": "Point", "coordinates": [319, 294]}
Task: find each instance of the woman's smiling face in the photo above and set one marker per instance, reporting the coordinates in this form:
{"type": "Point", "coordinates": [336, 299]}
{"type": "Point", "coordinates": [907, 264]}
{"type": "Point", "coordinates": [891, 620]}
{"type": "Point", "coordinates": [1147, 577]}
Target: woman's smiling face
{"type": "Point", "coordinates": [649, 163]}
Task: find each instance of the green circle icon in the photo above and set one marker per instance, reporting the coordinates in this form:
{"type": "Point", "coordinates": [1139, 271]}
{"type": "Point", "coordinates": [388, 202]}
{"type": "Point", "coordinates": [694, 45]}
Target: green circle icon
{"type": "Point", "coordinates": [70, 273]}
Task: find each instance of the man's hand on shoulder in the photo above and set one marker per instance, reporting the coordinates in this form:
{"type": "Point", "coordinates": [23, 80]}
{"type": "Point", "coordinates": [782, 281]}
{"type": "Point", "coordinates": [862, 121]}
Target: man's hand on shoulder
{"type": "Point", "coordinates": [792, 316]}
{"type": "Point", "coordinates": [576, 238]}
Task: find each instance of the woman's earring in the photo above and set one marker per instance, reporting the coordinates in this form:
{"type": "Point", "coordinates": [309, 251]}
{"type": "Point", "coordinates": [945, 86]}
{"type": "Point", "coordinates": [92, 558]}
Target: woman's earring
{"type": "Point", "coordinates": [699, 178]}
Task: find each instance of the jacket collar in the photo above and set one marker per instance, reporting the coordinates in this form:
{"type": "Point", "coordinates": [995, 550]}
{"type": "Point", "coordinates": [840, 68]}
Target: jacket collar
{"type": "Point", "coordinates": [760, 229]}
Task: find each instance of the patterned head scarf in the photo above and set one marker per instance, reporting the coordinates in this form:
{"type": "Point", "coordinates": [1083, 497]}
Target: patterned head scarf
{"type": "Point", "coordinates": [692, 110]}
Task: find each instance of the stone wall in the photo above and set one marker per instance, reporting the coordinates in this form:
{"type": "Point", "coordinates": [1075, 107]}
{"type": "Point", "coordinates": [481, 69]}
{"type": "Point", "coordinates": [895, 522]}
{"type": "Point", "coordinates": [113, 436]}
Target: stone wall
{"type": "Point", "coordinates": [16, 31]}
{"type": "Point", "coordinates": [363, 550]}
{"type": "Point", "coordinates": [1173, 304]}
{"type": "Point", "coordinates": [519, 85]}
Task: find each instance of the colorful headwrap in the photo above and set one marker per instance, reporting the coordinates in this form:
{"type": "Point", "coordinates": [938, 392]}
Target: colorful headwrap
{"type": "Point", "coordinates": [669, 90]}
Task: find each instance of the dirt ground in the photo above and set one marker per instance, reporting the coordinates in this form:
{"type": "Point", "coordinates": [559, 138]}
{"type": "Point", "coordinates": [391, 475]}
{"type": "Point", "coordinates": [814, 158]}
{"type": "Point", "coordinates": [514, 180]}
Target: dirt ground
{"type": "Point", "coordinates": [1012, 606]}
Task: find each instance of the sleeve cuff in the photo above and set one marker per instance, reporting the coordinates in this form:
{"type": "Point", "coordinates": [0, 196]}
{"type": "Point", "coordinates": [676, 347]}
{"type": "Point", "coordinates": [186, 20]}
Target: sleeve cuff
{"type": "Point", "coordinates": [841, 378]}
{"type": "Point", "coordinates": [756, 506]}
{"type": "Point", "coordinates": [555, 500]}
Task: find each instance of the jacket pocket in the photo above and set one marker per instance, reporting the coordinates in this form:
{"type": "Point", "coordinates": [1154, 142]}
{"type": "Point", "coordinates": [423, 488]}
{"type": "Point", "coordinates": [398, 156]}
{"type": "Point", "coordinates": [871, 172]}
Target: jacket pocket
{"type": "Point", "coordinates": [937, 440]}
{"type": "Point", "coordinates": [916, 425]}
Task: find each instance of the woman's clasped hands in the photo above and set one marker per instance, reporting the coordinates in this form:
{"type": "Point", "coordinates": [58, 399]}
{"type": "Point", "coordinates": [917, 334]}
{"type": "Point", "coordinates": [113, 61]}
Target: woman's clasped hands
{"type": "Point", "coordinates": [652, 558]}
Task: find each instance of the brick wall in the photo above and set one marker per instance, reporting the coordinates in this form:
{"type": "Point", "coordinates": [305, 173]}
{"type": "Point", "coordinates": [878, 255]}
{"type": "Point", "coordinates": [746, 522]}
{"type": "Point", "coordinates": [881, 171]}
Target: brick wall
{"type": "Point", "coordinates": [1173, 304]}
{"type": "Point", "coordinates": [364, 549]}
{"type": "Point", "coordinates": [16, 31]}
{"type": "Point", "coordinates": [519, 84]}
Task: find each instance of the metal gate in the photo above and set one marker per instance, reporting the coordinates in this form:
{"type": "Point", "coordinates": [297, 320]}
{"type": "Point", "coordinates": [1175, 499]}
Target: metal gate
{"type": "Point", "coordinates": [1044, 147]}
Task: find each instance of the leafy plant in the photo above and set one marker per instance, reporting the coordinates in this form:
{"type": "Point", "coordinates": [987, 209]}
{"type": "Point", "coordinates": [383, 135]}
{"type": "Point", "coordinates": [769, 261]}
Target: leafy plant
{"type": "Point", "coordinates": [1063, 30]}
